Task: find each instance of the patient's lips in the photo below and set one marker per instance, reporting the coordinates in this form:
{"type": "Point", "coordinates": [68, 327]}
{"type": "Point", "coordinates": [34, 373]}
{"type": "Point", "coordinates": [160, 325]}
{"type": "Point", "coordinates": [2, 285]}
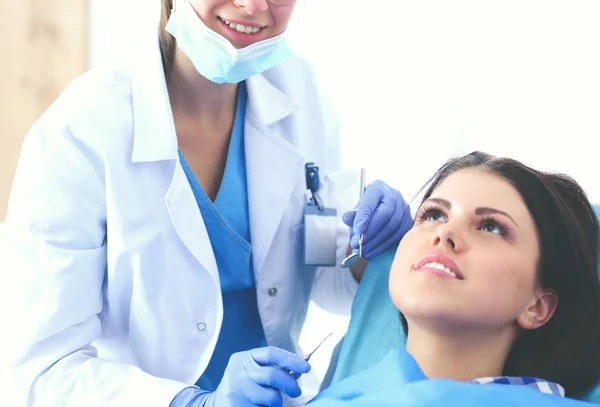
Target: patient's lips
{"type": "Point", "coordinates": [439, 264]}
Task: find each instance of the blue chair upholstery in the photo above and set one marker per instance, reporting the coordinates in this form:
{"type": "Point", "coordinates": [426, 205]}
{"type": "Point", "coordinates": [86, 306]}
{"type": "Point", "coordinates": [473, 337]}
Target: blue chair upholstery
{"type": "Point", "coordinates": [375, 326]}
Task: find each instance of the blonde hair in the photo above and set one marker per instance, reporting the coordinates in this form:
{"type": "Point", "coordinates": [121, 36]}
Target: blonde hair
{"type": "Point", "coordinates": [166, 40]}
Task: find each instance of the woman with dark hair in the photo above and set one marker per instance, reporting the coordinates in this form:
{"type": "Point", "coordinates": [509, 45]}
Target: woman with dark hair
{"type": "Point", "coordinates": [496, 282]}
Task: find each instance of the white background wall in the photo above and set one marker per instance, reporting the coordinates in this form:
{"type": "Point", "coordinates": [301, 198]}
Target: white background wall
{"type": "Point", "coordinates": [418, 81]}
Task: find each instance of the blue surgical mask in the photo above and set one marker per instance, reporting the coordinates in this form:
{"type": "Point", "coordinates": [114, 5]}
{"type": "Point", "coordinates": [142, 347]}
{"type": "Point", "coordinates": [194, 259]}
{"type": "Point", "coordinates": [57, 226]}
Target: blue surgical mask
{"type": "Point", "coordinates": [214, 56]}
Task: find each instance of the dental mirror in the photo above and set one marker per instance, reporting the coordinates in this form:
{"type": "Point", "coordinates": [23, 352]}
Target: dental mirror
{"type": "Point", "coordinates": [350, 260]}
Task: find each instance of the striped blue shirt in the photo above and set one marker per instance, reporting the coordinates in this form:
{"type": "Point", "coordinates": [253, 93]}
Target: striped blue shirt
{"type": "Point", "coordinates": [540, 385]}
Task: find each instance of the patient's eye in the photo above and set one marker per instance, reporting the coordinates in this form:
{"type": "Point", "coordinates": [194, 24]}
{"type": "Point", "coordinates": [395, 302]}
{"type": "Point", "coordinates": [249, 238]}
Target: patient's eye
{"type": "Point", "coordinates": [493, 226]}
{"type": "Point", "coordinates": [431, 213]}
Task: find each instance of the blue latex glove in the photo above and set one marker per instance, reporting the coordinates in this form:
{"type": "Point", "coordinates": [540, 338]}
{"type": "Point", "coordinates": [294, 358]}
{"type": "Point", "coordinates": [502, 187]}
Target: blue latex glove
{"type": "Point", "coordinates": [253, 378]}
{"type": "Point", "coordinates": [382, 215]}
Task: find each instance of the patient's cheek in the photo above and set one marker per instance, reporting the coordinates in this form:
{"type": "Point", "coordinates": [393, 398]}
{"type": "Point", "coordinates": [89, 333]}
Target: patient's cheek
{"type": "Point", "coordinates": [401, 290]}
{"type": "Point", "coordinates": [397, 284]}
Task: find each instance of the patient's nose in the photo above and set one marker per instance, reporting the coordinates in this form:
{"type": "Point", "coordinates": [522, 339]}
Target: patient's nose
{"type": "Point", "coordinates": [448, 237]}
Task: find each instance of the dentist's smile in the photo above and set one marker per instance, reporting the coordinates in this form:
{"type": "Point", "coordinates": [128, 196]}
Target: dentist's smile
{"type": "Point", "coordinates": [241, 28]}
{"type": "Point", "coordinates": [240, 32]}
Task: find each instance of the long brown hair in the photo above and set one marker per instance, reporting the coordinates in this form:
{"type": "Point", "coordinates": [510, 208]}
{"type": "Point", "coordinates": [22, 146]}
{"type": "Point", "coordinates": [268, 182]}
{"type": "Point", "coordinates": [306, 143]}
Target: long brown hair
{"type": "Point", "coordinates": [166, 40]}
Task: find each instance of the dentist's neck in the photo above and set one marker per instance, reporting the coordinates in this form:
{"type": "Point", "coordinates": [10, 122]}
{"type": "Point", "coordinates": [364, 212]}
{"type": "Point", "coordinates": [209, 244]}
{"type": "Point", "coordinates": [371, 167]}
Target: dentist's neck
{"type": "Point", "coordinates": [193, 94]}
{"type": "Point", "coordinates": [458, 355]}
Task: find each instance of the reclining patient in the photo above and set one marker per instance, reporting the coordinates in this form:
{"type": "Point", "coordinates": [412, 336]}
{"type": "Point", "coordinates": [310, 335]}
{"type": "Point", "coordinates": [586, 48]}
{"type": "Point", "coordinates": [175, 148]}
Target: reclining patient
{"type": "Point", "coordinates": [497, 288]}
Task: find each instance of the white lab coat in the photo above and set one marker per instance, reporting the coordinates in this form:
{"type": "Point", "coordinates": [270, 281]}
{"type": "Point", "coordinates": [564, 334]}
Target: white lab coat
{"type": "Point", "coordinates": [115, 291]}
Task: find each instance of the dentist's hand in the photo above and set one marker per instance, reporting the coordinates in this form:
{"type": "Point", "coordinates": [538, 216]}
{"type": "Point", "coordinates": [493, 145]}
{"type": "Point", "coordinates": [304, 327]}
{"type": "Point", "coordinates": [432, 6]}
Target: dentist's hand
{"type": "Point", "coordinates": [253, 378]}
{"type": "Point", "coordinates": [382, 215]}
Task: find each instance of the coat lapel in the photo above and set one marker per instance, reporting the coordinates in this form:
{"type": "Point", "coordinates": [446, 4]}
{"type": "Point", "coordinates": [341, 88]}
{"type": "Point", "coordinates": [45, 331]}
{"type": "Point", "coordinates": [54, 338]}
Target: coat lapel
{"type": "Point", "coordinates": [187, 220]}
{"type": "Point", "coordinates": [274, 166]}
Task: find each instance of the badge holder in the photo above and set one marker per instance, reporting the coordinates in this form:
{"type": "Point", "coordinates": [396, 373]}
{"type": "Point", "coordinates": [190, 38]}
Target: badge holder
{"type": "Point", "coordinates": [320, 224]}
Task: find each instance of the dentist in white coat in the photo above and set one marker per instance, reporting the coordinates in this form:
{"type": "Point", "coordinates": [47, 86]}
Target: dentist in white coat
{"type": "Point", "coordinates": [155, 226]}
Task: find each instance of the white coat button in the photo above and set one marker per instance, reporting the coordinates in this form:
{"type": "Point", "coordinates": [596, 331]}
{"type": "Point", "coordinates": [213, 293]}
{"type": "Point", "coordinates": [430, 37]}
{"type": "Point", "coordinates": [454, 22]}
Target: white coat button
{"type": "Point", "coordinates": [201, 326]}
{"type": "Point", "coordinates": [272, 291]}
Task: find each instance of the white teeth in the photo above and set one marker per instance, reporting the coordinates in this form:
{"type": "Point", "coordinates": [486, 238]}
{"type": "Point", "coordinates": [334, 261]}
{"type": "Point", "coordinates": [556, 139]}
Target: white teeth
{"type": "Point", "coordinates": [440, 267]}
{"type": "Point", "coordinates": [242, 28]}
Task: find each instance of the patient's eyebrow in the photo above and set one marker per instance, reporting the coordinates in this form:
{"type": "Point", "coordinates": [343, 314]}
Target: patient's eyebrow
{"type": "Point", "coordinates": [478, 211]}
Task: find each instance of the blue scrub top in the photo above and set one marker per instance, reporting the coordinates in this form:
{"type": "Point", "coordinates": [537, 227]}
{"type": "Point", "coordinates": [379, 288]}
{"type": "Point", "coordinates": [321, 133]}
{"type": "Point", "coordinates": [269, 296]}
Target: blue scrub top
{"type": "Point", "coordinates": [227, 222]}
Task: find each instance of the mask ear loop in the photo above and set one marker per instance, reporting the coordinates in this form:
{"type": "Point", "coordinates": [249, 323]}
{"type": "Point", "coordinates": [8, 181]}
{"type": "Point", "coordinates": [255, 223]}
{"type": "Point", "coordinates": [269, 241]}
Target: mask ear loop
{"type": "Point", "coordinates": [174, 6]}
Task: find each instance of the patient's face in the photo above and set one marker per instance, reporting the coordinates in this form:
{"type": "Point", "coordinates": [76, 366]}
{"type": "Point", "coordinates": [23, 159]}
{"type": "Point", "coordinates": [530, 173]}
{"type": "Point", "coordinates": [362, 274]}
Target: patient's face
{"type": "Point", "coordinates": [470, 259]}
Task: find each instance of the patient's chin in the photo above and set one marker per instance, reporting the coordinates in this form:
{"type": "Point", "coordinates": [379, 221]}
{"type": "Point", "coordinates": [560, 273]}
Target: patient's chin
{"type": "Point", "coordinates": [421, 312]}
{"type": "Point", "coordinates": [419, 299]}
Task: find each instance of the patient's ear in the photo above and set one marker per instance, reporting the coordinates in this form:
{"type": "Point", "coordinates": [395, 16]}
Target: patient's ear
{"type": "Point", "coordinates": [540, 310]}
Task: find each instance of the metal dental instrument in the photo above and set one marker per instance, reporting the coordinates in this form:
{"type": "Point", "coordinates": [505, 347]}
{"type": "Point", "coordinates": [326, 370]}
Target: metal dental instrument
{"type": "Point", "coordinates": [353, 258]}
{"type": "Point", "coordinates": [308, 356]}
